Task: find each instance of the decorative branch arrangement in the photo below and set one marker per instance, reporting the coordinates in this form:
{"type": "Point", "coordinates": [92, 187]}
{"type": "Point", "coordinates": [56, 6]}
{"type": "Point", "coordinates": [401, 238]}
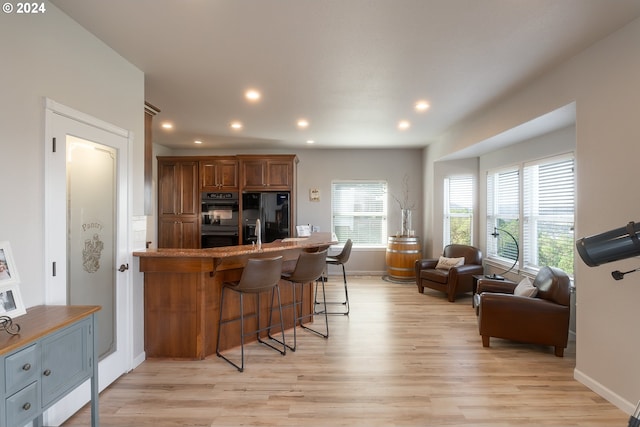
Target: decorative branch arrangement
{"type": "Point", "coordinates": [405, 208]}
{"type": "Point", "coordinates": [404, 203]}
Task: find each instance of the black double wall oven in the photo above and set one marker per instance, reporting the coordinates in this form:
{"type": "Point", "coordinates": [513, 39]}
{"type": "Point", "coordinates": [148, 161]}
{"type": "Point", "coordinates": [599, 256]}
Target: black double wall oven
{"type": "Point", "coordinates": [219, 219]}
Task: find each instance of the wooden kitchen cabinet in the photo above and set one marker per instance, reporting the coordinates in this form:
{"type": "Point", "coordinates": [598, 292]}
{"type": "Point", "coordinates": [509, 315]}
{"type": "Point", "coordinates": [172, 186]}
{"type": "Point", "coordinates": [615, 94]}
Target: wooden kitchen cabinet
{"type": "Point", "coordinates": [267, 172]}
{"type": "Point", "coordinates": [219, 174]}
{"type": "Point", "coordinates": [179, 232]}
{"type": "Point", "coordinates": [178, 203]}
{"type": "Point", "coordinates": [178, 187]}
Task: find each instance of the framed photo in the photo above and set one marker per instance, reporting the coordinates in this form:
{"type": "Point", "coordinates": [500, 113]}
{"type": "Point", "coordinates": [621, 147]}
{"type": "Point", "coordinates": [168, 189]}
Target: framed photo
{"type": "Point", "coordinates": [10, 299]}
{"type": "Point", "coordinates": [8, 270]}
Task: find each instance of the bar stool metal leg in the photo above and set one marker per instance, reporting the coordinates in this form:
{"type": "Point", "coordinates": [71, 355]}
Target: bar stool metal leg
{"type": "Point", "coordinates": [326, 319]}
{"type": "Point", "coordinates": [344, 303]}
{"type": "Point", "coordinates": [340, 259]}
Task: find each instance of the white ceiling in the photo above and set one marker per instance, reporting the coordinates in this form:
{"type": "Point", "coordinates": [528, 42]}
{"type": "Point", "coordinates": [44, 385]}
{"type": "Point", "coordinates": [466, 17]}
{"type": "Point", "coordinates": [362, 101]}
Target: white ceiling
{"type": "Point", "coordinates": [353, 68]}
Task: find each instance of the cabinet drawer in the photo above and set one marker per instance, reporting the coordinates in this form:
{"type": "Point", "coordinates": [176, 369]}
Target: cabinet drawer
{"type": "Point", "coordinates": [22, 368]}
{"type": "Point", "coordinates": [23, 406]}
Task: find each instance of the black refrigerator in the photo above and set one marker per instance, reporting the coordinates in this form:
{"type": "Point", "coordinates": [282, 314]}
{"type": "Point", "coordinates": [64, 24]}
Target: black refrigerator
{"type": "Point", "coordinates": [272, 209]}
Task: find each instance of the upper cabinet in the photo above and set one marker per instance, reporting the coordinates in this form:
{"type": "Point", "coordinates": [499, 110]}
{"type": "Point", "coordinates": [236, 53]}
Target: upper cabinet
{"type": "Point", "coordinates": [178, 187]}
{"type": "Point", "coordinates": [178, 203]}
{"type": "Point", "coordinates": [267, 172]}
{"type": "Point", "coordinates": [219, 174]}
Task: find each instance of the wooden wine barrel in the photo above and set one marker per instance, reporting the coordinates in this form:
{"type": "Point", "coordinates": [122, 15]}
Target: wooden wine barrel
{"type": "Point", "coordinates": [402, 253]}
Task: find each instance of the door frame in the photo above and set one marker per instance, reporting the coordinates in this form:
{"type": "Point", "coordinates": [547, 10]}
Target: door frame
{"type": "Point", "coordinates": [55, 292]}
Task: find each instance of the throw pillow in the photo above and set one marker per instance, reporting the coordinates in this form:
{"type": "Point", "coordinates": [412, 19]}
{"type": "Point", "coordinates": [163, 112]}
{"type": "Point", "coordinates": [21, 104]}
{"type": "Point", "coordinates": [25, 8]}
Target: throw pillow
{"type": "Point", "coordinates": [525, 289]}
{"type": "Point", "coordinates": [446, 263]}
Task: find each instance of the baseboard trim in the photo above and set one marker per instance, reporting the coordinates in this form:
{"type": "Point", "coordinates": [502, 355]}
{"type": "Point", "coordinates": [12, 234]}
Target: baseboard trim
{"type": "Point", "coordinates": [138, 360]}
{"type": "Point", "coordinates": [617, 400]}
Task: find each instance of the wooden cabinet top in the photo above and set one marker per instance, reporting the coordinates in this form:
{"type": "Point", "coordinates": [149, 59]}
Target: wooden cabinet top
{"type": "Point", "coordinates": [43, 320]}
{"type": "Point", "coordinates": [291, 157]}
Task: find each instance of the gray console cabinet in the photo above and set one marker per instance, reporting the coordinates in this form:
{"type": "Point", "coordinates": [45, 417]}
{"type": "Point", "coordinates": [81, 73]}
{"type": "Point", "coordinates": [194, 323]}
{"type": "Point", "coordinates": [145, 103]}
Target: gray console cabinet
{"type": "Point", "coordinates": [51, 356]}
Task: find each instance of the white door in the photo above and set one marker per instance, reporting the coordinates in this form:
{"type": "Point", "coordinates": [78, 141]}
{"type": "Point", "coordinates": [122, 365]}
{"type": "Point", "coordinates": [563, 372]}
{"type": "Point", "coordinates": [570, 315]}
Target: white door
{"type": "Point", "coordinates": [87, 235]}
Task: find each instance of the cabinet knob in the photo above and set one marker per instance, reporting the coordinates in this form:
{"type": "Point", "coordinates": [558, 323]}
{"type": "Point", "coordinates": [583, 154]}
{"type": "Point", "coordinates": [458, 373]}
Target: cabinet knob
{"type": "Point", "coordinates": [26, 406]}
{"type": "Point", "coordinates": [26, 366]}
{"type": "Point", "coordinates": [47, 372]}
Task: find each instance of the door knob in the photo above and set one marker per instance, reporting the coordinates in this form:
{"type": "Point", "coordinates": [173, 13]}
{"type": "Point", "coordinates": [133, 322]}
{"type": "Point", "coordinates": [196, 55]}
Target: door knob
{"type": "Point", "coordinates": [123, 267]}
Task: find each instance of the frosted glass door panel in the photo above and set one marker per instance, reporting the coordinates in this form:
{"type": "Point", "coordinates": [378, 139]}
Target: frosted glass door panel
{"type": "Point", "coordinates": [91, 221]}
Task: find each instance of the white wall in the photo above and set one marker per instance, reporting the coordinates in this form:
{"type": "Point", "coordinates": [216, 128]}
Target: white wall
{"type": "Point", "coordinates": [49, 55]}
{"type": "Point", "coordinates": [603, 81]}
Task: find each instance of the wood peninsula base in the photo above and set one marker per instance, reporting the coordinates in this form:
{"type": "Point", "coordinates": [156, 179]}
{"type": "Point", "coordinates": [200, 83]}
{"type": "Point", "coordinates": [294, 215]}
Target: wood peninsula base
{"type": "Point", "coordinates": [182, 295]}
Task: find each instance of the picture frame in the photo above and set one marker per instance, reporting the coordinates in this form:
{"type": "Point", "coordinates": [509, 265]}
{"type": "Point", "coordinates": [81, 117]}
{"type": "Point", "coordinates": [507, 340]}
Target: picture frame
{"type": "Point", "coordinates": [314, 195]}
{"type": "Point", "coordinates": [11, 303]}
{"type": "Point", "coordinates": [8, 269]}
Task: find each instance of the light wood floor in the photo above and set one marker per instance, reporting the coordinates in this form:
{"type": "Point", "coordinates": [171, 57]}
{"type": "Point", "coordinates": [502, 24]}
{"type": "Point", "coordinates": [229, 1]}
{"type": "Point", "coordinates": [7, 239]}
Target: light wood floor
{"type": "Point", "coordinates": [399, 359]}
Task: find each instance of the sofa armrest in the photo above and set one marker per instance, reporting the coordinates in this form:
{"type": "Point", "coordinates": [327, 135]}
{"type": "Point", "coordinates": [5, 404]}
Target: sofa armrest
{"type": "Point", "coordinates": [496, 286]}
{"type": "Point", "coordinates": [426, 264]}
{"type": "Point", "coordinates": [467, 269]}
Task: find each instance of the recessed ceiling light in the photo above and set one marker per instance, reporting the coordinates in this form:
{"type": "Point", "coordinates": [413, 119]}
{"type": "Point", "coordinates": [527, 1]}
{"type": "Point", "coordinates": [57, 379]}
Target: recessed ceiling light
{"type": "Point", "coordinates": [236, 125]}
{"type": "Point", "coordinates": [197, 141]}
{"type": "Point", "coordinates": [403, 125]}
{"type": "Point", "coordinates": [167, 125]}
{"type": "Point", "coordinates": [422, 106]}
{"type": "Point", "coordinates": [252, 95]}
{"type": "Point", "coordinates": [303, 123]}
{"type": "Point", "coordinates": [310, 141]}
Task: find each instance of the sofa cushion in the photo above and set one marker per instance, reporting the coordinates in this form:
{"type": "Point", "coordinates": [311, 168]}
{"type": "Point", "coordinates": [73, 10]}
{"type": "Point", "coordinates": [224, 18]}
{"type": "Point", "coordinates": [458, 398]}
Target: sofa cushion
{"type": "Point", "coordinates": [525, 289]}
{"type": "Point", "coordinates": [445, 263]}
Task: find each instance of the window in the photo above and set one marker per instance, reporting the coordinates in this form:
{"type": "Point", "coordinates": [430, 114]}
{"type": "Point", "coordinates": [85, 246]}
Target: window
{"type": "Point", "coordinates": [458, 210]}
{"type": "Point", "coordinates": [503, 212]}
{"type": "Point", "coordinates": [541, 219]}
{"type": "Point", "coordinates": [548, 207]}
{"type": "Point", "coordinates": [359, 212]}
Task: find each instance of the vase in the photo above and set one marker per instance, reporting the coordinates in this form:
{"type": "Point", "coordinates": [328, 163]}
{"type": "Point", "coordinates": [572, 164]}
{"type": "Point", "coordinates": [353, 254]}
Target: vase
{"type": "Point", "coordinates": [405, 217]}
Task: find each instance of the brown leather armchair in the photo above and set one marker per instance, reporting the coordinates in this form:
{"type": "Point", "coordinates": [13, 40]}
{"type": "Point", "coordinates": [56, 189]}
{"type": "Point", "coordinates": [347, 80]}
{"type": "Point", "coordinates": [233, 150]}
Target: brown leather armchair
{"type": "Point", "coordinates": [456, 280]}
{"type": "Point", "coordinates": [542, 319]}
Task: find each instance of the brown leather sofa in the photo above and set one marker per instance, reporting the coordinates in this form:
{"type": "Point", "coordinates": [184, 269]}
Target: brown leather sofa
{"type": "Point", "coordinates": [542, 319]}
{"type": "Point", "coordinates": [456, 280]}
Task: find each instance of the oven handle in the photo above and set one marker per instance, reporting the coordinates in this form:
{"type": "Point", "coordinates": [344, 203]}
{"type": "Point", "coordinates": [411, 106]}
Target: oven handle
{"type": "Point", "coordinates": [220, 233]}
{"type": "Point", "coordinates": [212, 206]}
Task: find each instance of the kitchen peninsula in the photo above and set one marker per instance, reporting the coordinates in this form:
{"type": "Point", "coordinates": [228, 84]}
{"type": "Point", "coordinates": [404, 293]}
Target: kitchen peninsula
{"type": "Point", "coordinates": [182, 293]}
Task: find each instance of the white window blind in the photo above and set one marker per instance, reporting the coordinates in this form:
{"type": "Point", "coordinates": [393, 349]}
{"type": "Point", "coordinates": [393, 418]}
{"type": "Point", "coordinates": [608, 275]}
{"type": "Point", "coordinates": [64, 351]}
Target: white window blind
{"type": "Point", "coordinates": [458, 210]}
{"type": "Point", "coordinates": [549, 205]}
{"type": "Point", "coordinates": [503, 212]}
{"type": "Point", "coordinates": [359, 212]}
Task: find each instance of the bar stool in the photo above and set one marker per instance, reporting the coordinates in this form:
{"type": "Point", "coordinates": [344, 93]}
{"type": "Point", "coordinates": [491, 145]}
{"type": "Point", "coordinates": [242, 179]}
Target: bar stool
{"type": "Point", "coordinates": [259, 275]}
{"type": "Point", "coordinates": [309, 268]}
{"type": "Point", "coordinates": [340, 259]}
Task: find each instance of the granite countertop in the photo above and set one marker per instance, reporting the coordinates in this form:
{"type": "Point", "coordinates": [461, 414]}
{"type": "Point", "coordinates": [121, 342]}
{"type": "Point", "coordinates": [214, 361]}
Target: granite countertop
{"type": "Point", "coordinates": [313, 241]}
